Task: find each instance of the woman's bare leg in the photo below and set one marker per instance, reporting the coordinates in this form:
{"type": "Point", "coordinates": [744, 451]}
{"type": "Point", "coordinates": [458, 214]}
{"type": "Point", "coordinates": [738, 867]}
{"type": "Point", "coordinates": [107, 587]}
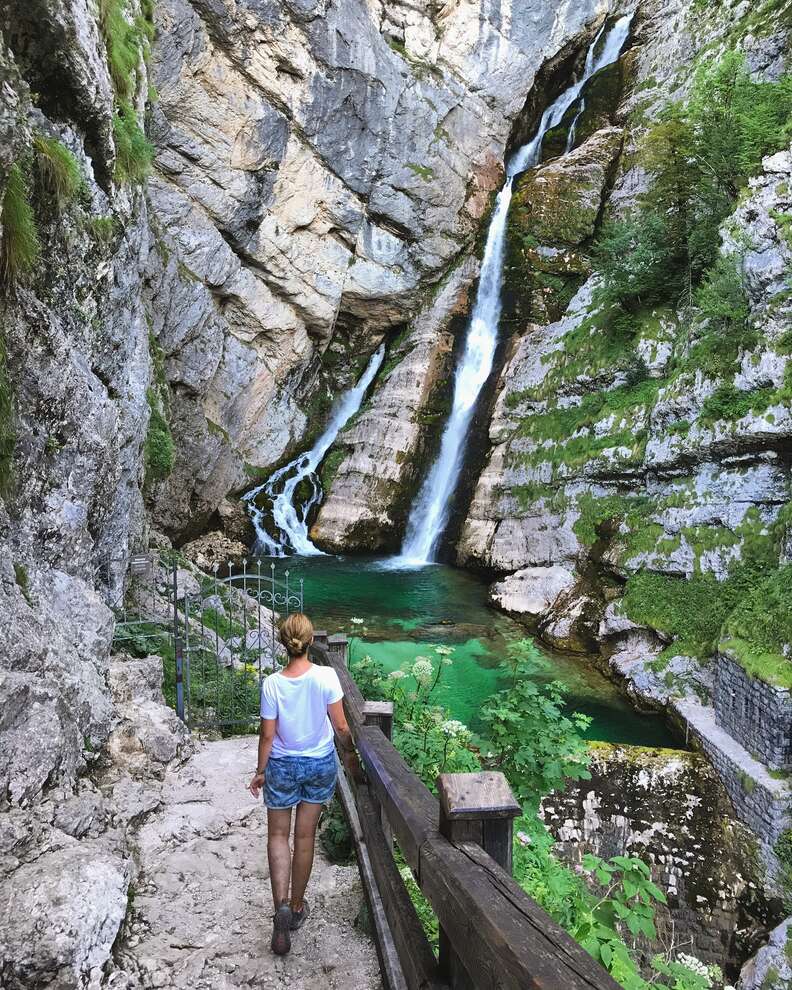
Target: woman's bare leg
{"type": "Point", "coordinates": [304, 838]}
{"type": "Point", "coordinates": [278, 853]}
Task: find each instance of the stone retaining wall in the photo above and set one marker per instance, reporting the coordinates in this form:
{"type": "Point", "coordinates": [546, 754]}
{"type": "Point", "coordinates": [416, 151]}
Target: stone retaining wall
{"type": "Point", "coordinates": [761, 801]}
{"type": "Point", "coordinates": [668, 808]}
{"type": "Point", "coordinates": [757, 714]}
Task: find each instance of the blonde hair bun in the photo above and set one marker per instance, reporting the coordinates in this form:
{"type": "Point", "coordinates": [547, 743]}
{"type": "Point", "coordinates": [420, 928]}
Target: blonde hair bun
{"type": "Point", "coordinates": [296, 634]}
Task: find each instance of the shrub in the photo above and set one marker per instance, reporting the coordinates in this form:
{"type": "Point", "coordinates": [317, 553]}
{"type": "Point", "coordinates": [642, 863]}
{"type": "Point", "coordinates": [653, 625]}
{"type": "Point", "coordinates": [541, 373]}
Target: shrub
{"type": "Point", "coordinates": [728, 402]}
{"type": "Point", "coordinates": [134, 152]}
{"type": "Point", "coordinates": [20, 246]}
{"type": "Point", "coordinates": [59, 170]}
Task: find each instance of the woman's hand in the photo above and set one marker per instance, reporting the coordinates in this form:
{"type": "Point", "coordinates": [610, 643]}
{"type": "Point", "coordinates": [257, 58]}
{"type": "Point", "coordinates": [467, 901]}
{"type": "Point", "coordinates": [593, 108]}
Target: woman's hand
{"type": "Point", "coordinates": [256, 784]}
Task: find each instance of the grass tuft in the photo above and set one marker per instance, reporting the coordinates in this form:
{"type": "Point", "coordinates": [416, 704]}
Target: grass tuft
{"type": "Point", "coordinates": [134, 152]}
{"type": "Point", "coordinates": [20, 245]}
{"type": "Point", "coordinates": [58, 168]}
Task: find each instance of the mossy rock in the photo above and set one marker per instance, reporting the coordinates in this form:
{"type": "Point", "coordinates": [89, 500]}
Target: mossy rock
{"type": "Point", "coordinates": [602, 95]}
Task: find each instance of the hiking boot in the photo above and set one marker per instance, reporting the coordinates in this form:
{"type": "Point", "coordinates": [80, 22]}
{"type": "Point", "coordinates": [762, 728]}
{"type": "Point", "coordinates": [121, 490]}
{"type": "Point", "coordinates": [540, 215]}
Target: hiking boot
{"type": "Point", "coordinates": [298, 918]}
{"type": "Point", "coordinates": [281, 922]}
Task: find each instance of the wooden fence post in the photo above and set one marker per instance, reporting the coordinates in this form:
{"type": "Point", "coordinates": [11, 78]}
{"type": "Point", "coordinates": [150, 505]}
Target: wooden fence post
{"type": "Point", "coordinates": [380, 714]}
{"type": "Point", "coordinates": [338, 644]}
{"type": "Point", "coordinates": [479, 808]}
{"type": "Point", "coordinates": [320, 637]}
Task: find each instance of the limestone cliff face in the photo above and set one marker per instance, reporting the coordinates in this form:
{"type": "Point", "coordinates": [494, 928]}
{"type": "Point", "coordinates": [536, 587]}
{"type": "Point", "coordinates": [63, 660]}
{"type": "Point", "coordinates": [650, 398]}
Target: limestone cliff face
{"type": "Point", "coordinates": [319, 167]}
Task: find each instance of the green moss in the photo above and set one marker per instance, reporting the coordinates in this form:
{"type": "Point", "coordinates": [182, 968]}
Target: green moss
{"type": "Point", "coordinates": [134, 152]}
{"type": "Point", "coordinates": [330, 465]}
{"type": "Point", "coordinates": [612, 508]}
{"type": "Point", "coordinates": [426, 173]}
{"type": "Point", "coordinates": [58, 168]}
{"type": "Point", "coordinates": [20, 245]}
{"type": "Point", "coordinates": [218, 622]}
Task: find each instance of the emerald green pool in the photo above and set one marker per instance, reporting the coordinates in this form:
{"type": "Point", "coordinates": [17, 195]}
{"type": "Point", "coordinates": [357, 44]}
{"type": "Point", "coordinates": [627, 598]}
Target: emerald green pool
{"type": "Point", "coordinates": [407, 612]}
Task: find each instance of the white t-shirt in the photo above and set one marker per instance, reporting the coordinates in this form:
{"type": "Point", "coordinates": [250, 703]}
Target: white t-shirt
{"type": "Point", "coordinates": [300, 706]}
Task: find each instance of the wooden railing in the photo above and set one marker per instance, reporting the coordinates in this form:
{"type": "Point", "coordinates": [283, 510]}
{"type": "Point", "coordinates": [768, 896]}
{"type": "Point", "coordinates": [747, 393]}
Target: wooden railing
{"type": "Point", "coordinates": [492, 935]}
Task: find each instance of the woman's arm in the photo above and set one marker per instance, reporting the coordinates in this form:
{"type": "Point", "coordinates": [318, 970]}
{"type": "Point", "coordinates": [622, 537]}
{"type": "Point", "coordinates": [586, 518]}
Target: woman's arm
{"type": "Point", "coordinates": [344, 737]}
{"type": "Point", "coordinates": [267, 729]}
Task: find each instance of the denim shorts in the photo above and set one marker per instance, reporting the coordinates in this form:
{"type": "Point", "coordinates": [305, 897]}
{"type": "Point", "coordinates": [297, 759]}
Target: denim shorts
{"type": "Point", "coordinates": [288, 780]}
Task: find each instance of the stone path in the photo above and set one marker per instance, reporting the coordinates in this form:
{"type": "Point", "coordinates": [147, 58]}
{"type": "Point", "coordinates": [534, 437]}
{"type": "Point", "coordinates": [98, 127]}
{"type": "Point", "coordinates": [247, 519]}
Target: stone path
{"type": "Point", "coordinates": [202, 904]}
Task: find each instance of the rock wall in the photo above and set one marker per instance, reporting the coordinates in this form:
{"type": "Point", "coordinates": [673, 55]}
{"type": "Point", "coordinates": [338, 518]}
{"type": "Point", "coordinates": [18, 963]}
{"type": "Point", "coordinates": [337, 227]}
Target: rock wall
{"type": "Point", "coordinates": [670, 809]}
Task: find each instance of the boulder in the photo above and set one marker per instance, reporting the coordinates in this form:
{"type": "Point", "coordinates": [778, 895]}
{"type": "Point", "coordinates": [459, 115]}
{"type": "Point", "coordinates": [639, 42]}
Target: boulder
{"type": "Point", "coordinates": [60, 915]}
{"type": "Point", "coordinates": [532, 591]}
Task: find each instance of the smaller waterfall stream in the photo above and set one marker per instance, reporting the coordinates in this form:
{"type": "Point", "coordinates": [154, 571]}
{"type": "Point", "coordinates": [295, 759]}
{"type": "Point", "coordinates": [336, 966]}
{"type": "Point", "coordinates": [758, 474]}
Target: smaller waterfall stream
{"type": "Point", "coordinates": [429, 514]}
{"type": "Point", "coordinates": [291, 520]}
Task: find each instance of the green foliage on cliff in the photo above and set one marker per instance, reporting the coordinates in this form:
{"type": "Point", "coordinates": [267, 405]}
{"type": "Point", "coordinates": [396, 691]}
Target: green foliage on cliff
{"type": "Point", "coordinates": [698, 157]}
{"type": "Point", "coordinates": [759, 629]}
{"type": "Point", "coordinates": [58, 168]}
{"type": "Point", "coordinates": [134, 152]}
{"type": "Point", "coordinates": [20, 244]}
{"type": "Point", "coordinates": [158, 449]}
{"type": "Point", "coordinates": [128, 43]}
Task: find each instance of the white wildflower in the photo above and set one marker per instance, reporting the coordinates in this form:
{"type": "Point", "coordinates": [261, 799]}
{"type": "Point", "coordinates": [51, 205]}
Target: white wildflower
{"type": "Point", "coordinates": [444, 651]}
{"type": "Point", "coordinates": [453, 726]}
{"type": "Point", "coordinates": [523, 838]}
{"type": "Point", "coordinates": [356, 621]}
{"type": "Point", "coordinates": [396, 675]}
{"type": "Point", "coordinates": [422, 670]}
{"type": "Point", "coordinates": [694, 965]}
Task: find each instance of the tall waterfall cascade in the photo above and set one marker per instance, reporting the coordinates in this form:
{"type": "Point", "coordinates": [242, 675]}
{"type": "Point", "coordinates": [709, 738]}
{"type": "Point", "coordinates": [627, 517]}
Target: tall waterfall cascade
{"type": "Point", "coordinates": [429, 515]}
{"type": "Point", "coordinates": [280, 490]}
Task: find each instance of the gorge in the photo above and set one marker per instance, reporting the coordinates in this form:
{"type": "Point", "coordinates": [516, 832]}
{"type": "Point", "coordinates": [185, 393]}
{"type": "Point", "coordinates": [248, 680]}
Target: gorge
{"type": "Point", "coordinates": [483, 311]}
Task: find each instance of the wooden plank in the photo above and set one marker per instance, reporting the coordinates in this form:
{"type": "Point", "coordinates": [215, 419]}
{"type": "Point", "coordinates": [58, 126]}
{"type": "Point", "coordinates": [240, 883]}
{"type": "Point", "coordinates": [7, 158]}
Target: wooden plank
{"type": "Point", "coordinates": [417, 959]}
{"type": "Point", "coordinates": [408, 804]}
{"type": "Point", "coordinates": [393, 976]}
{"type": "Point", "coordinates": [504, 940]}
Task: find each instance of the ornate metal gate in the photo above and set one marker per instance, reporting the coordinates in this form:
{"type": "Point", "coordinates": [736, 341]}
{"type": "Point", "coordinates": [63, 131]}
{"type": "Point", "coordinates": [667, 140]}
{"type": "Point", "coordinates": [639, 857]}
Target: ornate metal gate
{"type": "Point", "coordinates": [216, 633]}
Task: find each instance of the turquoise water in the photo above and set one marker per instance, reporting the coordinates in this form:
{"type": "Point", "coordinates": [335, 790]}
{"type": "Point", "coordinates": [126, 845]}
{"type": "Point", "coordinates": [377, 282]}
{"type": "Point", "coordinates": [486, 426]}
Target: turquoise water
{"type": "Point", "coordinates": [408, 612]}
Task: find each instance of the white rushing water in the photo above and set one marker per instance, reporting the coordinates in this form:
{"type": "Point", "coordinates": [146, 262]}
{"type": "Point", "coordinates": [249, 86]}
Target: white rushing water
{"type": "Point", "coordinates": [429, 514]}
{"type": "Point", "coordinates": [290, 519]}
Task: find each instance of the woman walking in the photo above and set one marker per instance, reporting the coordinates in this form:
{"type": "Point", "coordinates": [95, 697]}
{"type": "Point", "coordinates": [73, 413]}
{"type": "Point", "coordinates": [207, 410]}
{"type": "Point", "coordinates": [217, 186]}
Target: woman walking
{"type": "Point", "coordinates": [301, 706]}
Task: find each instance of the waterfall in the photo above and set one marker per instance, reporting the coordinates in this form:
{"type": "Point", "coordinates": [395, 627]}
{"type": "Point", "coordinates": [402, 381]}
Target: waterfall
{"type": "Point", "coordinates": [291, 520]}
{"type": "Point", "coordinates": [429, 514]}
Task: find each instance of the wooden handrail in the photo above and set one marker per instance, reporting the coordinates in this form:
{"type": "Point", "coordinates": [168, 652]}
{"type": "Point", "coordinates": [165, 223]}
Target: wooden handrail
{"type": "Point", "coordinates": [501, 937]}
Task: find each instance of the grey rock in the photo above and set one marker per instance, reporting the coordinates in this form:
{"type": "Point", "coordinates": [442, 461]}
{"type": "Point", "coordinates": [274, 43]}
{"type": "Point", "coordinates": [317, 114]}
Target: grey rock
{"type": "Point", "coordinates": [770, 968]}
{"type": "Point", "coordinates": [60, 915]}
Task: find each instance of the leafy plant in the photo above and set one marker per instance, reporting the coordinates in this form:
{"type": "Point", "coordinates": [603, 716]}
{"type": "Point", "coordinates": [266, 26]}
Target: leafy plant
{"type": "Point", "coordinates": [334, 834]}
{"type": "Point", "coordinates": [59, 169]}
{"type": "Point", "coordinates": [20, 245]}
{"type": "Point", "coordinates": [536, 745]}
